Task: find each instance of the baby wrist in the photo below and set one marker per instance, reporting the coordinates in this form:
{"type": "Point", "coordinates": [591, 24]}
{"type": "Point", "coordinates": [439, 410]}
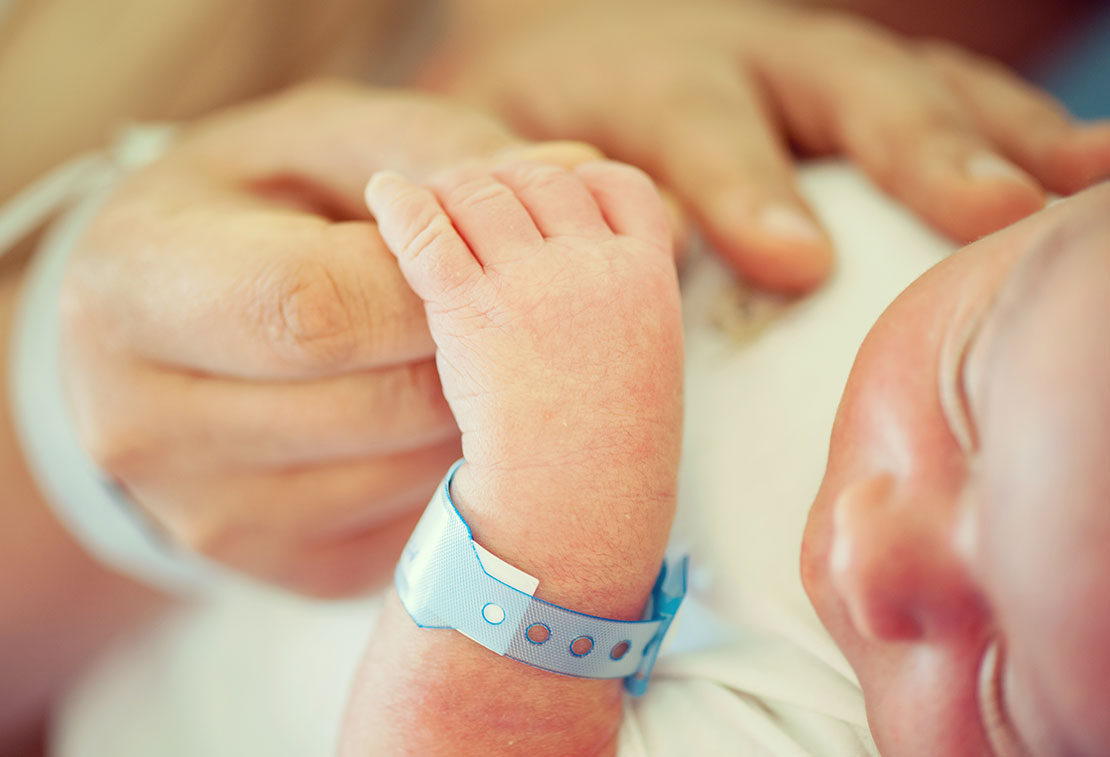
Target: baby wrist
{"type": "Point", "coordinates": [448, 578]}
{"type": "Point", "coordinates": [594, 543]}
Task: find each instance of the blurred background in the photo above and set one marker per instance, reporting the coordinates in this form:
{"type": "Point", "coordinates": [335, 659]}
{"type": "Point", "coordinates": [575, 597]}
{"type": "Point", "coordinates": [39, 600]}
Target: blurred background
{"type": "Point", "coordinates": [72, 70]}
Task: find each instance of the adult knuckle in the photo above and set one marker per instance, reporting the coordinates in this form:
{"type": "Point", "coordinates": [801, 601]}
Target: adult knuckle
{"type": "Point", "coordinates": [310, 316]}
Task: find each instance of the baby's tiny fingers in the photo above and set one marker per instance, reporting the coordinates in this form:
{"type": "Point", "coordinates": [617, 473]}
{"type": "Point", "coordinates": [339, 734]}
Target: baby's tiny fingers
{"type": "Point", "coordinates": [629, 201]}
{"type": "Point", "coordinates": [488, 215]}
{"type": "Point", "coordinates": [433, 257]}
{"type": "Point", "coordinates": [558, 201]}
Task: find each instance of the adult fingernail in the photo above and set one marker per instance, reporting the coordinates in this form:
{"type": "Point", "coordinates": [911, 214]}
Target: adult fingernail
{"type": "Point", "coordinates": [787, 222]}
{"type": "Point", "coordinates": [988, 166]}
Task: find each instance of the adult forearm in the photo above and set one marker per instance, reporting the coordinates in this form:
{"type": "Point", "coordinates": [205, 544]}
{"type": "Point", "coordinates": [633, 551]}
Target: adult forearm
{"type": "Point", "coordinates": [58, 607]}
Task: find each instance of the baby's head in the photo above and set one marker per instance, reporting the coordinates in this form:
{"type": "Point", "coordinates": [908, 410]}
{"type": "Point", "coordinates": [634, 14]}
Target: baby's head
{"type": "Point", "coordinates": [959, 548]}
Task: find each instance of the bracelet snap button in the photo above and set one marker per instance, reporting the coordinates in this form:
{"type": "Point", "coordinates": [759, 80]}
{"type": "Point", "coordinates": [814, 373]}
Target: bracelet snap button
{"type": "Point", "coordinates": [493, 613]}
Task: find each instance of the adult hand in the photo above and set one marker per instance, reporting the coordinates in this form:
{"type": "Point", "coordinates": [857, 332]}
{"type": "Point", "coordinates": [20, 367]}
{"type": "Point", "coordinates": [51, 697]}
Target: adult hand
{"type": "Point", "coordinates": [242, 353]}
{"type": "Point", "coordinates": [707, 96]}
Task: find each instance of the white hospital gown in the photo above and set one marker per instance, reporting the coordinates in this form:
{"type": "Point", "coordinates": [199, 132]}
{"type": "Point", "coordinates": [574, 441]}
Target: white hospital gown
{"type": "Point", "coordinates": [255, 672]}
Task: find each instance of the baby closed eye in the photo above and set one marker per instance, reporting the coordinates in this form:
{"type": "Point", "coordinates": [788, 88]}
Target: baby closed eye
{"type": "Point", "coordinates": [997, 724]}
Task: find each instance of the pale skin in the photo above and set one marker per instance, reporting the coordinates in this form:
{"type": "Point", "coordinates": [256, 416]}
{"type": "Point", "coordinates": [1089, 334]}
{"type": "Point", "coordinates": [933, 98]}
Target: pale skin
{"type": "Point", "coordinates": [193, 370]}
{"type": "Point", "coordinates": [251, 339]}
{"type": "Point", "coordinates": [249, 335]}
{"type": "Point", "coordinates": [706, 96]}
{"type": "Point", "coordinates": [300, 334]}
{"type": "Point", "coordinates": [957, 549]}
{"type": "Point", "coordinates": [568, 394]}
{"type": "Point", "coordinates": [340, 333]}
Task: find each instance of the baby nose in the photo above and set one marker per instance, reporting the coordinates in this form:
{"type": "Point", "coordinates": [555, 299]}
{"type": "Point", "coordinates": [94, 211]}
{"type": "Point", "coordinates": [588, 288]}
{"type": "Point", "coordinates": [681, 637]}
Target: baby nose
{"type": "Point", "coordinates": [896, 563]}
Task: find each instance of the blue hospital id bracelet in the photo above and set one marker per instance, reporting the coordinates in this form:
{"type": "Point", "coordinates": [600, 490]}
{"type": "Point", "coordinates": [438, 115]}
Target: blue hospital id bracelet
{"type": "Point", "coordinates": [446, 580]}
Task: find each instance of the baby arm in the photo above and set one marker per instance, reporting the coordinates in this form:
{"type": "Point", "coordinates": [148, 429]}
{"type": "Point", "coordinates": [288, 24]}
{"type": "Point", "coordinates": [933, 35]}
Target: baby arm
{"type": "Point", "coordinates": [552, 299]}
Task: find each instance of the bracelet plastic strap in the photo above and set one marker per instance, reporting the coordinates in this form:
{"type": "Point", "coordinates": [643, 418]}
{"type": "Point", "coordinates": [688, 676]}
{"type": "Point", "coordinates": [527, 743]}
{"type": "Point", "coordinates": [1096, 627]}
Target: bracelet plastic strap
{"type": "Point", "coordinates": [445, 580]}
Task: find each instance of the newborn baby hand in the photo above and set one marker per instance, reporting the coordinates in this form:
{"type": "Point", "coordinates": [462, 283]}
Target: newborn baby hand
{"type": "Point", "coordinates": [552, 299]}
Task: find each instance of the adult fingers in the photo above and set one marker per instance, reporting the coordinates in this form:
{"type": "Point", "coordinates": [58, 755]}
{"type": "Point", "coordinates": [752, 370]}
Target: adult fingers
{"type": "Point", "coordinates": [895, 118]}
{"type": "Point", "coordinates": [149, 421]}
{"type": "Point", "coordinates": [330, 136]}
{"type": "Point", "coordinates": [329, 530]}
{"type": "Point", "coordinates": [189, 275]}
{"type": "Point", "coordinates": [713, 143]}
{"type": "Point", "coordinates": [330, 500]}
{"type": "Point", "coordinates": [1025, 122]}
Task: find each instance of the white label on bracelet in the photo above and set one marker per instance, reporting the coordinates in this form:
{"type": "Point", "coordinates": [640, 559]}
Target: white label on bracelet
{"type": "Point", "coordinates": [505, 573]}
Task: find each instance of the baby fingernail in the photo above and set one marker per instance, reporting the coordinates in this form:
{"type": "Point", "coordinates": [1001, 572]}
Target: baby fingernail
{"type": "Point", "coordinates": [387, 182]}
{"type": "Point", "coordinates": [988, 166]}
{"type": "Point", "coordinates": [788, 222]}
